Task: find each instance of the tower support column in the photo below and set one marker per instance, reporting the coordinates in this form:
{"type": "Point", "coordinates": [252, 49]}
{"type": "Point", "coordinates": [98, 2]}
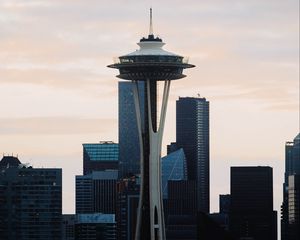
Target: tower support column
{"type": "Point", "coordinates": [150, 192]}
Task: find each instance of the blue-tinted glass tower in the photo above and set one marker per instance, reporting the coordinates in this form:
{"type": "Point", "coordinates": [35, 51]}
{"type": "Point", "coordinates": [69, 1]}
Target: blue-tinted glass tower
{"type": "Point", "coordinates": [192, 134]}
{"type": "Point", "coordinates": [129, 150]}
{"type": "Point", "coordinates": [100, 156]}
{"type": "Point", "coordinates": [173, 168]}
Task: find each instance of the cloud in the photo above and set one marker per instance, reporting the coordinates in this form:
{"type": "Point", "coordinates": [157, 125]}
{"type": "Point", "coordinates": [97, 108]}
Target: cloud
{"type": "Point", "coordinates": [55, 126]}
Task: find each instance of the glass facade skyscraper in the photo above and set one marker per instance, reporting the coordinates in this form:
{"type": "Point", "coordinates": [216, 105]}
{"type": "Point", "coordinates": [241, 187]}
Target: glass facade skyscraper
{"type": "Point", "coordinates": [173, 168]}
{"type": "Point", "coordinates": [292, 171]}
{"type": "Point", "coordinates": [100, 156]}
{"type": "Point", "coordinates": [294, 207]}
{"type": "Point", "coordinates": [129, 149]}
{"type": "Point", "coordinates": [192, 134]}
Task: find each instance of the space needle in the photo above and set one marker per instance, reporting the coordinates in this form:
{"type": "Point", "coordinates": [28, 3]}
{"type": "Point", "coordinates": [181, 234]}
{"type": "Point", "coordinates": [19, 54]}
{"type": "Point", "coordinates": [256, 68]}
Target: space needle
{"type": "Point", "coordinates": [151, 63]}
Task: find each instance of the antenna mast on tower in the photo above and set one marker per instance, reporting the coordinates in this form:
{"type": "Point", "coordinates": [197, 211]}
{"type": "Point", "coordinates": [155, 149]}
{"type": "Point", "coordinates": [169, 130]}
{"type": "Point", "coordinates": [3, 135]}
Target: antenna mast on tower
{"type": "Point", "coordinates": [151, 24]}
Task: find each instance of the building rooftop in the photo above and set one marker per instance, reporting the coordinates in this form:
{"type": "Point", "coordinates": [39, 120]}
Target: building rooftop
{"type": "Point", "coordinates": [103, 151]}
{"type": "Point", "coordinates": [9, 161]}
{"type": "Point", "coordinates": [192, 98]}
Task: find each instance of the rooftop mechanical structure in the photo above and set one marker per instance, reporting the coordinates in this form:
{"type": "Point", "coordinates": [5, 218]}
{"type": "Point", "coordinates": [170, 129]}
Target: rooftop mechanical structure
{"type": "Point", "coordinates": [151, 63]}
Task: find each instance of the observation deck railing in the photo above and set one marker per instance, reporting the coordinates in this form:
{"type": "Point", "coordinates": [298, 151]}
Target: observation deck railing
{"type": "Point", "coordinates": [151, 59]}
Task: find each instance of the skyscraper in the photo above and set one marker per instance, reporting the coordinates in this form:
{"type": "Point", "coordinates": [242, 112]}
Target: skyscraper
{"type": "Point", "coordinates": [293, 232]}
{"type": "Point", "coordinates": [30, 201]}
{"type": "Point", "coordinates": [222, 217]}
{"type": "Point", "coordinates": [129, 151]}
{"type": "Point", "coordinates": [192, 134]}
{"type": "Point", "coordinates": [292, 170]}
{"type": "Point", "coordinates": [251, 208]}
{"type": "Point", "coordinates": [100, 156]}
{"type": "Point", "coordinates": [96, 192]}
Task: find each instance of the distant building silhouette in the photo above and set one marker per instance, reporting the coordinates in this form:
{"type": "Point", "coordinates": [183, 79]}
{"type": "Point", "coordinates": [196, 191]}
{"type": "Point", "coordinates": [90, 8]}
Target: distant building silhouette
{"type": "Point", "coordinates": [192, 134]}
{"type": "Point", "coordinates": [100, 156]}
{"type": "Point", "coordinates": [224, 203]}
{"type": "Point", "coordinates": [251, 211]}
{"type": "Point", "coordinates": [30, 201]}
{"type": "Point", "coordinates": [173, 168]}
{"type": "Point", "coordinates": [291, 202]}
{"type": "Point", "coordinates": [222, 217]}
{"type": "Point", "coordinates": [96, 192]}
{"type": "Point", "coordinates": [129, 154]}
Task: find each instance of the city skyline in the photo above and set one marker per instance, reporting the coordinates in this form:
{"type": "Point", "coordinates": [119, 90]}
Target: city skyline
{"type": "Point", "coordinates": [51, 79]}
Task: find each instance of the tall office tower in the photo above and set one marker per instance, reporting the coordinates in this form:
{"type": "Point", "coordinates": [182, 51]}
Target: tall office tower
{"type": "Point", "coordinates": [30, 201]}
{"type": "Point", "coordinates": [192, 134]}
{"type": "Point", "coordinates": [150, 64]}
{"type": "Point", "coordinates": [129, 151]}
{"type": "Point", "coordinates": [292, 167]}
{"type": "Point", "coordinates": [95, 226]}
{"type": "Point", "coordinates": [251, 210]}
{"type": "Point", "coordinates": [96, 192]}
{"type": "Point", "coordinates": [100, 156]}
{"type": "Point", "coordinates": [173, 168]}
{"type": "Point", "coordinates": [127, 203]}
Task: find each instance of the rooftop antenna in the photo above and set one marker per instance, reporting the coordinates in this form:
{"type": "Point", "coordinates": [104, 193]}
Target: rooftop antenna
{"type": "Point", "coordinates": [151, 24]}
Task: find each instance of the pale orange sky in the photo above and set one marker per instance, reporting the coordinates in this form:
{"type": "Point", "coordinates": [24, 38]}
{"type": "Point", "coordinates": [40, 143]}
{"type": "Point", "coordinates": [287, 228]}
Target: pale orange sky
{"type": "Point", "coordinates": [57, 93]}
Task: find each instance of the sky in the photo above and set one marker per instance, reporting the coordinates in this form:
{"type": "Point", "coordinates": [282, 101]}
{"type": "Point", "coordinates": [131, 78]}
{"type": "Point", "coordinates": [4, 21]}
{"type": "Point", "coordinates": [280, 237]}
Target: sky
{"type": "Point", "coordinates": [57, 93]}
